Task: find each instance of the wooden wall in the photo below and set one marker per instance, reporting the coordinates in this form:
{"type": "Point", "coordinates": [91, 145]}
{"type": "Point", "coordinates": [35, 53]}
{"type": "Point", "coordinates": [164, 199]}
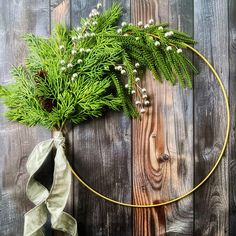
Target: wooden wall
{"type": "Point", "coordinates": [149, 161]}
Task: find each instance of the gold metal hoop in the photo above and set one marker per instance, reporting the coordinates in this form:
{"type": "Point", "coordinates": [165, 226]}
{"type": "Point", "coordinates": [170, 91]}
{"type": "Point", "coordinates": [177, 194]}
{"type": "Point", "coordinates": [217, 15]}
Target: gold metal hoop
{"type": "Point", "coordinates": [208, 175]}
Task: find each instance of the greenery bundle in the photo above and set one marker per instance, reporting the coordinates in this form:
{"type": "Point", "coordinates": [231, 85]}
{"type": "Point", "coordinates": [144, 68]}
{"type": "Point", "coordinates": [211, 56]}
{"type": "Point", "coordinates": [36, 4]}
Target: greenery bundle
{"type": "Point", "coordinates": [78, 73]}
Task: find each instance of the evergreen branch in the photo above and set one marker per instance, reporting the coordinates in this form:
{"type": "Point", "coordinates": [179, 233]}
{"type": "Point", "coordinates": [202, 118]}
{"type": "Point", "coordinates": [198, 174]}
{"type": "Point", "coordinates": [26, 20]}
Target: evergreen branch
{"type": "Point", "coordinates": [74, 74]}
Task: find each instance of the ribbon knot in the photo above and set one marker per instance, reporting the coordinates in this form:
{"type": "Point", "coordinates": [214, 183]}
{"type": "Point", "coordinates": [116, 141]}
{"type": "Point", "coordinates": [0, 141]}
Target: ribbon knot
{"type": "Point", "coordinates": [59, 140]}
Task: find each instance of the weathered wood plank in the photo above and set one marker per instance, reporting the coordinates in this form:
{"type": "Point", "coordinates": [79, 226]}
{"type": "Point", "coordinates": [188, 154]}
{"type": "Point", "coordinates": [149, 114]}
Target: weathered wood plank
{"type": "Point", "coordinates": [166, 128]}
{"type": "Point", "coordinates": [60, 12]}
{"type": "Point", "coordinates": [232, 141]}
{"type": "Point", "coordinates": [17, 141]}
{"type": "Point", "coordinates": [102, 156]}
{"type": "Point", "coordinates": [211, 201]}
{"type": "Point", "coordinates": [182, 220]}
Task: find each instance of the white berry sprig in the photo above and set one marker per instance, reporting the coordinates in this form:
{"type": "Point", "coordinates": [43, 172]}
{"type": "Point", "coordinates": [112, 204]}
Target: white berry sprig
{"type": "Point", "coordinates": [141, 97]}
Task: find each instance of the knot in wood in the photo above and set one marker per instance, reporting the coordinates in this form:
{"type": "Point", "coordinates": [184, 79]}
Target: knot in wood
{"type": "Point", "coordinates": [163, 157]}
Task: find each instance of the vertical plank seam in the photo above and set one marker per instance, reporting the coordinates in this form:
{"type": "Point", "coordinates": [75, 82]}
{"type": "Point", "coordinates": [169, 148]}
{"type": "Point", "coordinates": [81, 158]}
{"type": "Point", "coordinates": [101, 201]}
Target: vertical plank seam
{"type": "Point", "coordinates": [50, 31]}
{"type": "Point", "coordinates": [70, 15]}
{"type": "Point", "coordinates": [50, 21]}
{"type": "Point", "coordinates": [229, 97]}
{"type": "Point", "coordinates": [228, 146]}
{"type": "Point", "coordinates": [193, 137]}
{"type": "Point", "coordinates": [72, 133]}
{"type": "Point", "coordinates": [52, 233]}
{"type": "Point", "coordinates": [131, 144]}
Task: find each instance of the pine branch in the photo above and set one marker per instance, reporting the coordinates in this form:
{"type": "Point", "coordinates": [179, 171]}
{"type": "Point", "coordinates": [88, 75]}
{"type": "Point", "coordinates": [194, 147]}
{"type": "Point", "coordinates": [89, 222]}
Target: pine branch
{"type": "Point", "coordinates": [77, 74]}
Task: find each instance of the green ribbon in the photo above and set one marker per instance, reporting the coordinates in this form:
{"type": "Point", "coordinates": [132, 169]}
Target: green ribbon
{"type": "Point", "coordinates": [49, 202]}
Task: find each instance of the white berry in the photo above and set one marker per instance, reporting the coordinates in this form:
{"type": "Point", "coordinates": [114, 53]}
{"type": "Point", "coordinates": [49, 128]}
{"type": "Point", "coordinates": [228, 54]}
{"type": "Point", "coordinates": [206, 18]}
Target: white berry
{"type": "Point", "coordinates": [79, 61]}
{"type": "Point", "coordinates": [62, 62]}
{"type": "Point", "coordinates": [151, 21]}
{"type": "Point", "coordinates": [73, 52]}
{"type": "Point", "coordinates": [137, 65]}
{"type": "Point", "coordinates": [123, 72]}
{"type": "Point", "coordinates": [142, 110]}
{"type": "Point", "coordinates": [69, 65]}
{"type": "Point", "coordinates": [167, 34]}
{"type": "Point", "coordinates": [74, 75]}
{"type": "Point", "coordinates": [146, 102]}
{"type": "Point", "coordinates": [168, 48]}
{"type": "Point", "coordinates": [99, 5]}
{"type": "Point", "coordinates": [140, 23]}
{"type": "Point", "coordinates": [135, 71]}
{"type": "Point", "coordinates": [145, 96]}
{"type": "Point", "coordinates": [133, 92]}
{"type": "Point", "coordinates": [126, 86]}
{"type": "Point", "coordinates": [61, 47]}
{"type": "Point", "coordinates": [95, 12]}
{"type": "Point", "coordinates": [137, 79]}
{"type": "Point", "coordinates": [119, 31]}
{"type": "Point", "coordinates": [179, 50]}
{"type": "Point", "coordinates": [123, 24]}
{"type": "Point", "coordinates": [170, 33]}
{"type": "Point", "coordinates": [144, 90]}
{"type": "Point", "coordinates": [81, 50]}
{"type": "Point", "coordinates": [157, 43]}
{"type": "Point", "coordinates": [146, 26]}
{"type": "Point", "coordinates": [87, 34]}
{"type": "Point", "coordinates": [137, 102]}
{"type": "Point", "coordinates": [160, 28]}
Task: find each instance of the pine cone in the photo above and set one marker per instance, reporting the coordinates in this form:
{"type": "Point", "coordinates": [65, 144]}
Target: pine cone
{"type": "Point", "coordinates": [41, 74]}
{"type": "Point", "coordinates": [47, 103]}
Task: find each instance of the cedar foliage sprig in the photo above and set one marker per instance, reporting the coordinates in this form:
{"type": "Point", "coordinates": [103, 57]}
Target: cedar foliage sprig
{"type": "Point", "coordinates": [78, 73]}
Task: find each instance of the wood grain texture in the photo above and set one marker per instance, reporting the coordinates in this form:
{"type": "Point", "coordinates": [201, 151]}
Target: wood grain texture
{"type": "Point", "coordinates": [17, 141]}
{"type": "Point", "coordinates": [166, 130]}
{"type": "Point", "coordinates": [211, 201]}
{"type": "Point", "coordinates": [181, 219]}
{"type": "Point", "coordinates": [232, 141]}
{"type": "Point", "coordinates": [102, 156]}
{"type": "Point", "coordinates": [162, 156]}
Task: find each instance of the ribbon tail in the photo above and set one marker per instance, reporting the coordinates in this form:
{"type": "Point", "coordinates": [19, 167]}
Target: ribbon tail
{"type": "Point", "coordinates": [34, 220]}
{"type": "Point", "coordinates": [36, 192]}
{"type": "Point", "coordinates": [66, 223]}
{"type": "Point", "coordinates": [59, 193]}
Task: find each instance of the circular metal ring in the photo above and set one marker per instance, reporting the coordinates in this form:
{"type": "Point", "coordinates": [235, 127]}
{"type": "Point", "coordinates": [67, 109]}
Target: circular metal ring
{"type": "Point", "coordinates": [210, 172]}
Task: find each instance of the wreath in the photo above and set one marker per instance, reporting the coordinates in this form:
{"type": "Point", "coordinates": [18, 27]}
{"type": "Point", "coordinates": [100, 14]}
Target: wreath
{"type": "Point", "coordinates": [77, 74]}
